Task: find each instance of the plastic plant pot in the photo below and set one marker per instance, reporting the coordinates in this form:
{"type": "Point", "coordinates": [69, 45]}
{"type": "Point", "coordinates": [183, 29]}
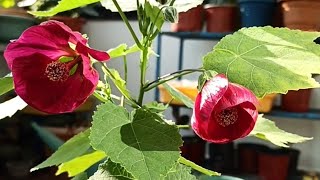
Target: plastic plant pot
{"type": "Point", "coordinates": [190, 21]}
{"type": "Point", "coordinates": [296, 101]}
{"type": "Point", "coordinates": [221, 18]}
{"type": "Point", "coordinates": [257, 12]}
{"type": "Point", "coordinates": [301, 14]}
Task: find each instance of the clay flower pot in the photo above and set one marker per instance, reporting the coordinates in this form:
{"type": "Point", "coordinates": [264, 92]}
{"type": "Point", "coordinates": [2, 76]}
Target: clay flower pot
{"type": "Point", "coordinates": [301, 14]}
{"type": "Point", "coordinates": [221, 18]}
{"type": "Point", "coordinates": [190, 21]}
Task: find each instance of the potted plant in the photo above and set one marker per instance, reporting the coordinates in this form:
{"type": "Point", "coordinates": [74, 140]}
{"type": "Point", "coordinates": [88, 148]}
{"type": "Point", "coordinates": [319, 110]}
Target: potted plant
{"type": "Point", "coordinates": [221, 15]}
{"type": "Point", "coordinates": [301, 14]}
{"type": "Point", "coordinates": [257, 12]}
{"type": "Point", "coordinates": [191, 21]}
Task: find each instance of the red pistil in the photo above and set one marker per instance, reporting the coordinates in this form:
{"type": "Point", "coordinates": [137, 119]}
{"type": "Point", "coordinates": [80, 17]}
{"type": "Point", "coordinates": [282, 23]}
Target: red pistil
{"type": "Point", "coordinates": [57, 71]}
{"type": "Point", "coordinates": [227, 117]}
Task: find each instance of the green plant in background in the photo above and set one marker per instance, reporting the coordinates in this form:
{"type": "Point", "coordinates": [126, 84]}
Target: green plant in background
{"type": "Point", "coordinates": [141, 143]}
{"type": "Point", "coordinates": [7, 3]}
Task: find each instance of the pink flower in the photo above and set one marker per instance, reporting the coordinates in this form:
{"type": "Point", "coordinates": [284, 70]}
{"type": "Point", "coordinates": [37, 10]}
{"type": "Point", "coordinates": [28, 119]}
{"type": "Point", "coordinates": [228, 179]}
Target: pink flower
{"type": "Point", "coordinates": [51, 67]}
{"type": "Point", "coordinates": [224, 111]}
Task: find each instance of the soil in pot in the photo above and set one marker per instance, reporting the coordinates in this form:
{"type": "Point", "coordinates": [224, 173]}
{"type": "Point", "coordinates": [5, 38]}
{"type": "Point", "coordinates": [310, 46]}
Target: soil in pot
{"type": "Point", "coordinates": [257, 12]}
{"type": "Point", "coordinates": [296, 101]}
{"type": "Point", "coordinates": [221, 18]}
{"type": "Point", "coordinates": [190, 21]}
{"type": "Point", "coordinates": [301, 14]}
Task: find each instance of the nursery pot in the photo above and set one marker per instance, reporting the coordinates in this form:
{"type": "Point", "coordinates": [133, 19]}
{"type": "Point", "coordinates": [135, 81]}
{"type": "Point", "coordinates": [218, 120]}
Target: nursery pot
{"type": "Point", "coordinates": [301, 14]}
{"type": "Point", "coordinates": [190, 21]}
{"type": "Point", "coordinates": [257, 12]}
{"type": "Point", "coordinates": [221, 18]}
{"type": "Point", "coordinates": [193, 149]}
{"type": "Point", "coordinates": [274, 164]}
{"type": "Point", "coordinates": [296, 101]}
{"type": "Point", "coordinates": [248, 157]}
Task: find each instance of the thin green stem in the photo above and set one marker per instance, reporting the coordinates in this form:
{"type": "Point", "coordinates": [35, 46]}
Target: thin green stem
{"type": "Point", "coordinates": [203, 170]}
{"type": "Point", "coordinates": [169, 77]}
{"type": "Point", "coordinates": [125, 64]}
{"type": "Point", "coordinates": [125, 19]}
{"type": "Point", "coordinates": [184, 126]}
{"type": "Point", "coordinates": [143, 69]}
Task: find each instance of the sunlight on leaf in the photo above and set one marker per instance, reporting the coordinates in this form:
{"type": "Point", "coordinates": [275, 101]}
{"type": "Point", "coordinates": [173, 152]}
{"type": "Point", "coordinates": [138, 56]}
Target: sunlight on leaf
{"type": "Point", "coordinates": [81, 163]}
{"type": "Point", "coordinates": [179, 172]}
{"type": "Point", "coordinates": [10, 107]}
{"type": "Point", "coordinates": [132, 143]}
{"type": "Point", "coordinates": [267, 60]}
{"type": "Point", "coordinates": [63, 5]}
{"type": "Point", "coordinates": [267, 130]}
{"type": "Point", "coordinates": [6, 85]}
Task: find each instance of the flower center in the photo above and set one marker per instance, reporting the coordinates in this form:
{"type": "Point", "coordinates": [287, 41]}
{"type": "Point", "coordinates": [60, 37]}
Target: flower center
{"type": "Point", "coordinates": [57, 71]}
{"type": "Point", "coordinates": [227, 117]}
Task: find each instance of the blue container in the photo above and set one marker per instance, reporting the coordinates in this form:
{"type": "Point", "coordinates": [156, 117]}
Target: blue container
{"type": "Point", "coordinates": [256, 12]}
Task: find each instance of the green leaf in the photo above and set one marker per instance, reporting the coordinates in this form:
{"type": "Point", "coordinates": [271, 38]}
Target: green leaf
{"type": "Point", "coordinates": [119, 82]}
{"type": "Point", "coordinates": [111, 171]}
{"type": "Point", "coordinates": [122, 50]}
{"type": "Point", "coordinates": [73, 70]}
{"type": "Point", "coordinates": [81, 176]}
{"type": "Point", "coordinates": [156, 107]}
{"type": "Point", "coordinates": [155, 14]}
{"type": "Point", "coordinates": [136, 144]}
{"type": "Point", "coordinates": [10, 107]}
{"type": "Point", "coordinates": [179, 95]}
{"type": "Point", "coordinates": [80, 164]}
{"type": "Point", "coordinates": [74, 147]}
{"type": "Point", "coordinates": [267, 60]}
{"type": "Point", "coordinates": [180, 172]}
{"type": "Point", "coordinates": [204, 77]}
{"type": "Point", "coordinates": [6, 85]}
{"type": "Point", "coordinates": [267, 130]}
{"type": "Point", "coordinates": [63, 5]}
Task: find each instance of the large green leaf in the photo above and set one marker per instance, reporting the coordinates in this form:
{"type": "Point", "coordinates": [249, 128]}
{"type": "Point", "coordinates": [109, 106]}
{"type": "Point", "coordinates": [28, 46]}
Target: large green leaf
{"type": "Point", "coordinates": [6, 85]}
{"type": "Point", "coordinates": [155, 15]}
{"type": "Point", "coordinates": [81, 163]}
{"type": "Point", "coordinates": [64, 5]}
{"type": "Point", "coordinates": [180, 172]}
{"type": "Point", "coordinates": [74, 147]}
{"type": "Point", "coordinates": [111, 171]}
{"type": "Point", "coordinates": [122, 50]}
{"type": "Point", "coordinates": [10, 107]}
{"type": "Point", "coordinates": [267, 130]}
{"type": "Point", "coordinates": [139, 145]}
{"type": "Point", "coordinates": [267, 60]}
{"type": "Point", "coordinates": [179, 95]}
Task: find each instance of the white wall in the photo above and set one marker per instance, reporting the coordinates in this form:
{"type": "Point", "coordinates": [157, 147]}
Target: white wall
{"type": "Point", "coordinates": [107, 34]}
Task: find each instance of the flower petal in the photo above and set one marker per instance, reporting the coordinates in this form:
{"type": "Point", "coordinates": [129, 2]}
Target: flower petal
{"type": "Point", "coordinates": [38, 91]}
{"type": "Point", "coordinates": [211, 94]}
{"type": "Point", "coordinates": [97, 55]}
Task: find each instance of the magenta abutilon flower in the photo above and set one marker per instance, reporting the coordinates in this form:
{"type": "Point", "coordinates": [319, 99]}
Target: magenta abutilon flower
{"type": "Point", "coordinates": [224, 111]}
{"type": "Point", "coordinates": [51, 67]}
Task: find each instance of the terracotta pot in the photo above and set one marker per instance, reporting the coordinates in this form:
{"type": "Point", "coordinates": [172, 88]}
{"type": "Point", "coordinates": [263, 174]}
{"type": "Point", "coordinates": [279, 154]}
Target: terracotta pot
{"type": "Point", "coordinates": [221, 18]}
{"type": "Point", "coordinates": [301, 14]}
{"type": "Point", "coordinates": [190, 21]}
{"type": "Point", "coordinates": [296, 101]}
{"type": "Point", "coordinates": [75, 24]}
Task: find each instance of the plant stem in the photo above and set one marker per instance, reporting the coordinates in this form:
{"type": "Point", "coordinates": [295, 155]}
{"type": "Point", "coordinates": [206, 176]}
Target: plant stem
{"type": "Point", "coordinates": [169, 77]}
{"type": "Point", "coordinates": [125, 64]}
{"type": "Point", "coordinates": [125, 20]}
{"type": "Point", "coordinates": [184, 126]}
{"type": "Point", "coordinates": [191, 164]}
{"type": "Point", "coordinates": [143, 69]}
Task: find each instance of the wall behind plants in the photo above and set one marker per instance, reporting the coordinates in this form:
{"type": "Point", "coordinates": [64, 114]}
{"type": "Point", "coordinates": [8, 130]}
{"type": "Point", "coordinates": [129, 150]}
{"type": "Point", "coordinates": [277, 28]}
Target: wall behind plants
{"type": "Point", "coordinates": [107, 34]}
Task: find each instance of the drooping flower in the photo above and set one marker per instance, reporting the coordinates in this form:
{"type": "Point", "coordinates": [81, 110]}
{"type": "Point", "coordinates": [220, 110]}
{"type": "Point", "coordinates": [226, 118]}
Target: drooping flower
{"type": "Point", "coordinates": [224, 111]}
{"type": "Point", "coordinates": [51, 67]}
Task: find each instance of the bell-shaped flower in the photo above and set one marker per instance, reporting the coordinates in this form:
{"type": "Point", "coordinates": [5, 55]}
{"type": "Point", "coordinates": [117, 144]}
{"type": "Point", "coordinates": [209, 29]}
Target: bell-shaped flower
{"type": "Point", "coordinates": [224, 111]}
{"type": "Point", "coordinates": [51, 67]}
